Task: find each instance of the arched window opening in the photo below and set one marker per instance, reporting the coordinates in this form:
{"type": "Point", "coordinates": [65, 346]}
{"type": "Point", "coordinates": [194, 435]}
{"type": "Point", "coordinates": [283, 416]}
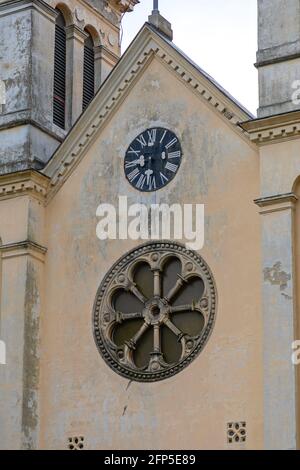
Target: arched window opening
{"type": "Point", "coordinates": [59, 88]}
{"type": "Point", "coordinates": [88, 72]}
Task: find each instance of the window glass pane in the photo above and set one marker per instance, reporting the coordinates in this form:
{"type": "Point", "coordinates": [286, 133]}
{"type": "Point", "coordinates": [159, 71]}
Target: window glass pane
{"type": "Point", "coordinates": [143, 277]}
{"type": "Point", "coordinates": [170, 275]}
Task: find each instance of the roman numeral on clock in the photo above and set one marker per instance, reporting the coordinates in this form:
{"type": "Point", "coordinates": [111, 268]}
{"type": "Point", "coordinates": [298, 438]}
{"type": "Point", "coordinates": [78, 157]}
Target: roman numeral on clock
{"type": "Point", "coordinates": [130, 164]}
{"type": "Point", "coordinates": [133, 175]}
{"type": "Point", "coordinates": [141, 182]}
{"type": "Point", "coordinates": [163, 178]}
{"type": "Point", "coordinates": [172, 155]}
{"type": "Point", "coordinates": [152, 137]}
{"type": "Point", "coordinates": [152, 183]}
{"type": "Point", "coordinates": [171, 167]}
{"type": "Point", "coordinates": [135, 152]}
{"type": "Point", "coordinates": [141, 140]}
{"type": "Point", "coordinates": [171, 143]}
{"type": "Point", "coordinates": [163, 137]}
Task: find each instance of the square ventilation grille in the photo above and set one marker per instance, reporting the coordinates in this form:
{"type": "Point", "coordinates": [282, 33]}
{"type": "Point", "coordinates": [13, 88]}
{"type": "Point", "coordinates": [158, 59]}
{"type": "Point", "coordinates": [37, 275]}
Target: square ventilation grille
{"type": "Point", "coordinates": [236, 432]}
{"type": "Point", "coordinates": [76, 443]}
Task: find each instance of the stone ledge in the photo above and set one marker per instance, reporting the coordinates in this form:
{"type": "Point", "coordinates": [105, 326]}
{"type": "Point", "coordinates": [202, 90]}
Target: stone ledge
{"type": "Point", "coordinates": [23, 248]}
{"type": "Point", "coordinates": [9, 6]}
{"type": "Point", "coordinates": [265, 130]}
{"type": "Point", "coordinates": [26, 120]}
{"type": "Point", "coordinates": [276, 203]}
{"type": "Point", "coordinates": [28, 182]}
{"type": "Point", "coordinates": [281, 53]}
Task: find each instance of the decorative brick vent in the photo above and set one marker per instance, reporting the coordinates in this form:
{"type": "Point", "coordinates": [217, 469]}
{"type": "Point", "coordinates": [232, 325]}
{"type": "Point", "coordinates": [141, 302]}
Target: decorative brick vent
{"type": "Point", "coordinates": [236, 432]}
{"type": "Point", "coordinates": [76, 443]}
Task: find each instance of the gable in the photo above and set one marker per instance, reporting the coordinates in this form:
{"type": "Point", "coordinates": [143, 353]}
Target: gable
{"type": "Point", "coordinates": [149, 45]}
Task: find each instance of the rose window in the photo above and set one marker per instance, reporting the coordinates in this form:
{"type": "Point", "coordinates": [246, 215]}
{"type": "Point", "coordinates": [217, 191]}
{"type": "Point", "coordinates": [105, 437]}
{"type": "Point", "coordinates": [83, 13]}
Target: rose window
{"type": "Point", "coordinates": [154, 311]}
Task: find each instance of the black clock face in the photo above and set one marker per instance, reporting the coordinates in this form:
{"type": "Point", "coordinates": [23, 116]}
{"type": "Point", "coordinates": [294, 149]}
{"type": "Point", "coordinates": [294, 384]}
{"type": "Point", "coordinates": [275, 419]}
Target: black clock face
{"type": "Point", "coordinates": [153, 159]}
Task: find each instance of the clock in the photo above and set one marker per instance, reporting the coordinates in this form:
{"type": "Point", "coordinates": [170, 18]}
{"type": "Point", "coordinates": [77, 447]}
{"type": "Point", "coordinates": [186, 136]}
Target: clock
{"type": "Point", "coordinates": [153, 159]}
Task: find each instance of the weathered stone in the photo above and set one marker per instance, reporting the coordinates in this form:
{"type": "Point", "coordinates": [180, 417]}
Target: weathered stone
{"type": "Point", "coordinates": [28, 135]}
{"type": "Point", "coordinates": [278, 56]}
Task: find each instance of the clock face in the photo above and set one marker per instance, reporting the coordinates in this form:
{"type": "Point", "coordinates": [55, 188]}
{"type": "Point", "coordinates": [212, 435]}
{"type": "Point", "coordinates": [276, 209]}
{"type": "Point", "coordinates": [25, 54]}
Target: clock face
{"type": "Point", "coordinates": [153, 159]}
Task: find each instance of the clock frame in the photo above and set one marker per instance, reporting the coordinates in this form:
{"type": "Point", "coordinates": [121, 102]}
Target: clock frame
{"type": "Point", "coordinates": [153, 159]}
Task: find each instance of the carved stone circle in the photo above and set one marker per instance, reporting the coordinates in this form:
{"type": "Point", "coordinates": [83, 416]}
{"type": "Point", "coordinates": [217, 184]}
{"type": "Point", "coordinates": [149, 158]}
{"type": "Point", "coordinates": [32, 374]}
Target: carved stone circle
{"type": "Point", "coordinates": [155, 313]}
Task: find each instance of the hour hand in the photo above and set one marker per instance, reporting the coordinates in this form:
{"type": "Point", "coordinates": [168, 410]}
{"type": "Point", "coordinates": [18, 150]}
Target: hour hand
{"type": "Point", "coordinates": [140, 161]}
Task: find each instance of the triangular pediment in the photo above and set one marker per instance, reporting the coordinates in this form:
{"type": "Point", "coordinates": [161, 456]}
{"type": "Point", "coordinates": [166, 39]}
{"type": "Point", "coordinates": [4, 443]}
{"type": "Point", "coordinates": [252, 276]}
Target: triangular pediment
{"type": "Point", "coordinates": [148, 44]}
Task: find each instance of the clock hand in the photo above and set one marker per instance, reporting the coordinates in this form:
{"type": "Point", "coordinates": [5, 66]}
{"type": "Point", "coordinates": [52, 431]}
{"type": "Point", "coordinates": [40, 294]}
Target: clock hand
{"type": "Point", "coordinates": [140, 161]}
{"type": "Point", "coordinates": [163, 156]}
{"type": "Point", "coordinates": [148, 173]}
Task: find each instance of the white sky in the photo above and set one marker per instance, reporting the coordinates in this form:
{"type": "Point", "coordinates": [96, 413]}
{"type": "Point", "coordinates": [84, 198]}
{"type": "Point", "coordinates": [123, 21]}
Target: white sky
{"type": "Point", "coordinates": [219, 35]}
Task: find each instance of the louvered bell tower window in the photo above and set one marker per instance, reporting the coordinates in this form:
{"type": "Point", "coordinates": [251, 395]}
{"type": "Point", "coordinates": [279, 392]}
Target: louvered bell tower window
{"type": "Point", "coordinates": [59, 91]}
{"type": "Point", "coordinates": [88, 72]}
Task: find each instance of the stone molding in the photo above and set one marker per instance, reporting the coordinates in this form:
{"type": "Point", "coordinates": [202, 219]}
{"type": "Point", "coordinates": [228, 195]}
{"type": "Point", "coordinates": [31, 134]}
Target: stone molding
{"type": "Point", "coordinates": [23, 248]}
{"type": "Point", "coordinates": [74, 32]}
{"type": "Point", "coordinates": [23, 118]}
{"type": "Point", "coordinates": [28, 182]}
{"type": "Point", "coordinates": [13, 6]}
{"type": "Point", "coordinates": [277, 203]}
{"type": "Point", "coordinates": [277, 54]}
{"type": "Point", "coordinates": [102, 52]}
{"type": "Point", "coordinates": [276, 128]}
{"type": "Point", "coordinates": [113, 91]}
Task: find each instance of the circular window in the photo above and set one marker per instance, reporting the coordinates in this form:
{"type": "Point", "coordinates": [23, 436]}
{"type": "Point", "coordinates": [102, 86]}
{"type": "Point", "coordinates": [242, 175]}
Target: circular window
{"type": "Point", "coordinates": [154, 311]}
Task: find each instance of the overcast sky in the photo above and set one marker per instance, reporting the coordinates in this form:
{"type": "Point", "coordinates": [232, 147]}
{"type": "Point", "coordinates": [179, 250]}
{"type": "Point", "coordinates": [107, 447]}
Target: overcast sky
{"type": "Point", "coordinates": [219, 35]}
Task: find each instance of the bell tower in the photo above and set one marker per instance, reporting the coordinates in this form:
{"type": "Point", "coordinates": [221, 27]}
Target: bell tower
{"type": "Point", "coordinates": [54, 55]}
{"type": "Point", "coordinates": [278, 57]}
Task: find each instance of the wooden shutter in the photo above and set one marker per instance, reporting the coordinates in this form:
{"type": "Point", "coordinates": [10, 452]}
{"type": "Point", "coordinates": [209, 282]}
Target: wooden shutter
{"type": "Point", "coordinates": [59, 91]}
{"type": "Point", "coordinates": [88, 72]}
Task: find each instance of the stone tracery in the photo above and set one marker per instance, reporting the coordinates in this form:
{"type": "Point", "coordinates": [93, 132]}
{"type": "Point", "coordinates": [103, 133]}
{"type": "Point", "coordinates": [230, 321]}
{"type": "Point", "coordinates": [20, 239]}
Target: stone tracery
{"type": "Point", "coordinates": [154, 311]}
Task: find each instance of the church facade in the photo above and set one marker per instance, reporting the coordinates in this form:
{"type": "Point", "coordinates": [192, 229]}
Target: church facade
{"type": "Point", "coordinates": [182, 340]}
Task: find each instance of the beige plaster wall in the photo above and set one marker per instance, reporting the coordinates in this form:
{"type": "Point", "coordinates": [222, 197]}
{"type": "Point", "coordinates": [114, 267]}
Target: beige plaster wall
{"type": "Point", "coordinates": [280, 165]}
{"type": "Point", "coordinates": [14, 229]}
{"type": "Point", "coordinates": [79, 394]}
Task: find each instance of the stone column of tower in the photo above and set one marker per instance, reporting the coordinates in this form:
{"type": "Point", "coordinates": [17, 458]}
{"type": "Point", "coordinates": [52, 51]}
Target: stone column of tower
{"type": "Point", "coordinates": [278, 57]}
{"type": "Point", "coordinates": [278, 63]}
{"type": "Point", "coordinates": [27, 32]}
